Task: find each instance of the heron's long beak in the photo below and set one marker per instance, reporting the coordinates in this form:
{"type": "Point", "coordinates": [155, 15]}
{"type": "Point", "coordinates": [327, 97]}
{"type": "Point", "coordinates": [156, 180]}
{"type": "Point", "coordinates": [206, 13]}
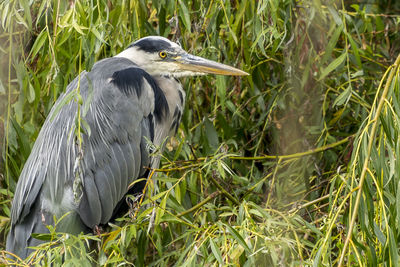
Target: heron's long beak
{"type": "Point", "coordinates": [201, 65]}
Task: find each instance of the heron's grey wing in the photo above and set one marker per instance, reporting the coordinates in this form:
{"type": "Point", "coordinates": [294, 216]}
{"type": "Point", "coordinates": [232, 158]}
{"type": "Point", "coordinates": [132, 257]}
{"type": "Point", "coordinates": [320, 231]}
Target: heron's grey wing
{"type": "Point", "coordinates": [44, 160]}
{"type": "Point", "coordinates": [120, 118]}
{"type": "Point", "coordinates": [125, 98]}
{"type": "Point", "coordinates": [46, 165]}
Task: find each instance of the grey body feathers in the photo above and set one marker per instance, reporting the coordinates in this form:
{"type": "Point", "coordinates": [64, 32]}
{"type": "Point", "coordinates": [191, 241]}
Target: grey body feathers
{"type": "Point", "coordinates": [128, 107]}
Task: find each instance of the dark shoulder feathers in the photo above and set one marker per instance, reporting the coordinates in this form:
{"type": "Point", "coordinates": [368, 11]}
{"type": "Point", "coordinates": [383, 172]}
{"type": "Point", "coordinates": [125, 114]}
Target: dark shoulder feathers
{"type": "Point", "coordinates": [131, 80]}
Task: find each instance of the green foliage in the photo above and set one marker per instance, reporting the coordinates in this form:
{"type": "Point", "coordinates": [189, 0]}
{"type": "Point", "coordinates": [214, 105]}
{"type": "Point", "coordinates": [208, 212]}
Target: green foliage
{"type": "Point", "coordinates": [323, 94]}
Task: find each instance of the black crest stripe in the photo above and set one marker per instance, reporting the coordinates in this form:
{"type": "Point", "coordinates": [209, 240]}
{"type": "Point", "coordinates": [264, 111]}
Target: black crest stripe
{"type": "Point", "coordinates": [151, 45]}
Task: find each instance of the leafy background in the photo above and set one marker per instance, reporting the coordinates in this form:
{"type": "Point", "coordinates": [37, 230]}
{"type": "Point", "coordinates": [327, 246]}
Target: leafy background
{"type": "Point", "coordinates": [296, 164]}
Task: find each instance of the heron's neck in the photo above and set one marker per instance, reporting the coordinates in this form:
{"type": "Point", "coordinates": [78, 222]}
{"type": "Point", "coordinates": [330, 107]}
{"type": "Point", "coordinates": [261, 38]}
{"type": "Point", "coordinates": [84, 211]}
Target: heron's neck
{"type": "Point", "coordinates": [175, 96]}
{"type": "Point", "coordinates": [173, 91]}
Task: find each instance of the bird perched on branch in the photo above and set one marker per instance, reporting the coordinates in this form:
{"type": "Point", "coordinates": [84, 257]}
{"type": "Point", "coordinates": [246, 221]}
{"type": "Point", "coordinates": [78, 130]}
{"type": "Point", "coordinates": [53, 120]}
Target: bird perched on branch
{"type": "Point", "coordinates": [89, 151]}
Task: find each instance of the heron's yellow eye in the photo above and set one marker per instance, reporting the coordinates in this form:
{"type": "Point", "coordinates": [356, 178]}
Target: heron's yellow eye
{"type": "Point", "coordinates": [162, 54]}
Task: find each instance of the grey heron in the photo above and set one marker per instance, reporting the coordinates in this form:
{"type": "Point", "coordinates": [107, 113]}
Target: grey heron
{"type": "Point", "coordinates": [134, 97]}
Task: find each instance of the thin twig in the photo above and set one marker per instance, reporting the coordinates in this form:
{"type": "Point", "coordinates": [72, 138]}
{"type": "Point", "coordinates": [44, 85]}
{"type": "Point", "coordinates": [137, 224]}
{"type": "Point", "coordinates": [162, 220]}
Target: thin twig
{"type": "Point", "coordinates": [264, 157]}
{"type": "Point", "coordinates": [144, 192]}
{"type": "Point", "coordinates": [223, 191]}
{"type": "Point", "coordinates": [178, 168]}
{"type": "Point", "coordinates": [200, 204]}
{"type": "Point", "coordinates": [305, 205]}
{"type": "Point", "coordinates": [297, 155]}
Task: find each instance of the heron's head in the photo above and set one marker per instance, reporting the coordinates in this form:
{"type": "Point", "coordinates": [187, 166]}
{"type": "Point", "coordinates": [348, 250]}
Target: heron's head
{"type": "Point", "coordinates": [159, 56]}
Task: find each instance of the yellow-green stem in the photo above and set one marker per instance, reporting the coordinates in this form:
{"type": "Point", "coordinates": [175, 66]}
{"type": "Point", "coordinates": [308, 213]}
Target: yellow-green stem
{"type": "Point", "coordinates": [366, 160]}
{"type": "Point", "coordinates": [296, 155]}
{"type": "Point", "coordinates": [200, 204]}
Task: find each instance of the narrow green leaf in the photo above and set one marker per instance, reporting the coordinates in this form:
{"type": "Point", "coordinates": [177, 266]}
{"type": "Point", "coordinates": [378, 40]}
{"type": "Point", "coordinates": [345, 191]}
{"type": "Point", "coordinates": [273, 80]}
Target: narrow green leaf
{"type": "Point", "coordinates": [165, 179]}
{"type": "Point", "coordinates": [371, 255]}
{"type": "Point", "coordinates": [79, 28]}
{"type": "Point", "coordinates": [161, 210]}
{"type": "Point", "coordinates": [178, 195]}
{"type": "Point", "coordinates": [239, 16]}
{"type": "Point", "coordinates": [317, 257]}
{"type": "Point", "coordinates": [221, 90]}
{"type": "Point", "coordinates": [343, 97]}
{"type": "Point", "coordinates": [98, 35]}
{"type": "Point", "coordinates": [381, 237]}
{"type": "Point", "coordinates": [217, 253]}
{"type": "Point", "coordinates": [23, 140]}
{"type": "Point", "coordinates": [221, 170]}
{"type": "Point", "coordinates": [398, 201]}
{"type": "Point", "coordinates": [2, 90]}
{"type": "Point", "coordinates": [354, 47]}
{"type": "Point", "coordinates": [238, 237]}
{"type": "Point", "coordinates": [5, 14]}
{"type": "Point", "coordinates": [20, 19]}
{"type": "Point", "coordinates": [27, 12]}
{"type": "Point", "coordinates": [335, 15]}
{"type": "Point", "coordinates": [43, 237]}
{"type": "Point", "coordinates": [89, 98]}
{"type": "Point", "coordinates": [65, 19]}
{"type": "Point", "coordinates": [356, 74]}
{"type": "Point", "coordinates": [331, 44]}
{"type": "Point", "coordinates": [332, 66]}
{"type": "Point", "coordinates": [40, 12]}
{"type": "Point", "coordinates": [154, 198]}
{"type": "Point", "coordinates": [86, 127]}
{"type": "Point", "coordinates": [212, 135]}
{"type": "Point", "coordinates": [39, 42]}
{"type": "Point", "coordinates": [31, 93]}
{"type": "Point", "coordinates": [184, 14]}
{"type": "Point", "coordinates": [231, 106]}
{"type": "Point", "coordinates": [393, 250]}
